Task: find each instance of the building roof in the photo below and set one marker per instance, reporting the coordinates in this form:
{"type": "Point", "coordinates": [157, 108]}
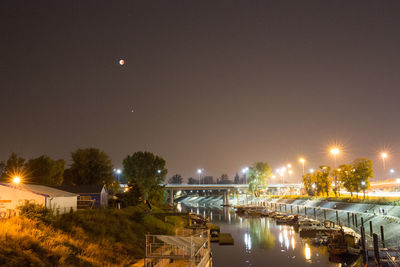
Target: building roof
{"type": "Point", "coordinates": [82, 189]}
{"type": "Point", "coordinates": [41, 190]}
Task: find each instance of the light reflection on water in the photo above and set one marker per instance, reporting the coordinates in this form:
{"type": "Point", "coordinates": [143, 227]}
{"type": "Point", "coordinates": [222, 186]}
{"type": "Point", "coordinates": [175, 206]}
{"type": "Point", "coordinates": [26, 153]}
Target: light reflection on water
{"type": "Point", "coordinates": [307, 252]}
{"type": "Point", "coordinates": [260, 242]}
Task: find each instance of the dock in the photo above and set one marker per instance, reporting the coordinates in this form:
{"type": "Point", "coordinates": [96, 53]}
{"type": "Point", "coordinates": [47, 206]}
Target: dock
{"type": "Point", "coordinates": [225, 239]}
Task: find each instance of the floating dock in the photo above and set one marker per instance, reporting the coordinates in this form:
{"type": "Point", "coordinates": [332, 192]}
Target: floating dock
{"type": "Point", "coordinates": [225, 239]}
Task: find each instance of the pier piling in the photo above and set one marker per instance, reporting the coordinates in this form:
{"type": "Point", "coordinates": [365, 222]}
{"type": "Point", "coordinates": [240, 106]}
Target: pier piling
{"type": "Point", "coordinates": [382, 237]}
{"type": "Point", "coordinates": [337, 217]}
{"type": "Point", "coordinates": [363, 245]}
{"type": "Point", "coordinates": [376, 249]}
{"type": "Point", "coordinates": [370, 228]}
{"type": "Point", "coordinates": [324, 214]}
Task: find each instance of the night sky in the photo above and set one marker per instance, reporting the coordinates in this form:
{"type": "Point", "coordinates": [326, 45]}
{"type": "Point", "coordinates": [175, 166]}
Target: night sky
{"type": "Point", "coordinates": [212, 84]}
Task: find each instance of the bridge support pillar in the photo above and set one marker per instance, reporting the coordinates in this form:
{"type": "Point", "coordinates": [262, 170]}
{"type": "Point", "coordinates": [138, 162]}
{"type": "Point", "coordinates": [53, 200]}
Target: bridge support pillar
{"type": "Point", "coordinates": [172, 197]}
{"type": "Point", "coordinates": [226, 197]}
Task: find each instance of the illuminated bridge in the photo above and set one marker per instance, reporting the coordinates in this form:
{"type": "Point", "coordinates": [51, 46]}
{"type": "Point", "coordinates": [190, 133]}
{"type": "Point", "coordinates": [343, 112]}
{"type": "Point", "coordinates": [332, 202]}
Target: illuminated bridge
{"type": "Point", "coordinates": [224, 187]}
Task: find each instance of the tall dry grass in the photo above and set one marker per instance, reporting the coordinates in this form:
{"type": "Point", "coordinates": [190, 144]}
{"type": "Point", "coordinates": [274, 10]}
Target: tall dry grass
{"type": "Point", "coordinates": [83, 238]}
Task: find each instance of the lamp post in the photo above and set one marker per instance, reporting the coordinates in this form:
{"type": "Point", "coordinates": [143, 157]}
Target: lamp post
{"type": "Point", "coordinates": [245, 170]}
{"type": "Point", "coordinates": [118, 172]}
{"type": "Point", "coordinates": [199, 171]}
{"type": "Point", "coordinates": [282, 173]}
{"type": "Point", "coordinates": [335, 151]}
{"type": "Point", "coordinates": [384, 156]}
{"type": "Point", "coordinates": [363, 187]}
{"type": "Point", "coordinates": [302, 161]}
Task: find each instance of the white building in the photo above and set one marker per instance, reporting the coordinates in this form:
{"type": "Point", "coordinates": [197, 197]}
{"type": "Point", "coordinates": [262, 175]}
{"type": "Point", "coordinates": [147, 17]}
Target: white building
{"type": "Point", "coordinates": [12, 195]}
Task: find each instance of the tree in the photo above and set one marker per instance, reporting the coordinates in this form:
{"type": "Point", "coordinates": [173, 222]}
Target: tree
{"type": "Point", "coordinates": [309, 183]}
{"type": "Point", "coordinates": [258, 176]}
{"type": "Point", "coordinates": [192, 180]}
{"type": "Point", "coordinates": [346, 177]}
{"type": "Point", "coordinates": [145, 172]}
{"type": "Point", "coordinates": [236, 179]}
{"type": "Point", "coordinates": [362, 172]}
{"type": "Point", "coordinates": [323, 181]}
{"type": "Point", "coordinates": [15, 165]}
{"type": "Point", "coordinates": [44, 170]}
{"type": "Point", "coordinates": [176, 179]}
{"type": "Point", "coordinates": [89, 166]}
{"type": "Point", "coordinates": [224, 179]}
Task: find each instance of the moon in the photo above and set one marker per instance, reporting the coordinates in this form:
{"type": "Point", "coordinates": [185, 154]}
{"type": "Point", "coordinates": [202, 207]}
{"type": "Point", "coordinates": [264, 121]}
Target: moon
{"type": "Point", "coordinates": [122, 62]}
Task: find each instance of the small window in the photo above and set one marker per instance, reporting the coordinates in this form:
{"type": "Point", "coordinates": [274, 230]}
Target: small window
{"type": "Point", "coordinates": [85, 198]}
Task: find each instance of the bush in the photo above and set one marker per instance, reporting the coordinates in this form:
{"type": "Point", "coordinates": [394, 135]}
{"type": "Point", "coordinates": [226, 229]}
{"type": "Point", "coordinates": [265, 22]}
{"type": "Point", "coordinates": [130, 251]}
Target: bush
{"type": "Point", "coordinates": [35, 211]}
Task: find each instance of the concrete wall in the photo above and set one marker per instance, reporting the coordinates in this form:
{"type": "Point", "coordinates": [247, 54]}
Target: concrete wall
{"type": "Point", "coordinates": [62, 204]}
{"type": "Point", "coordinates": [369, 212]}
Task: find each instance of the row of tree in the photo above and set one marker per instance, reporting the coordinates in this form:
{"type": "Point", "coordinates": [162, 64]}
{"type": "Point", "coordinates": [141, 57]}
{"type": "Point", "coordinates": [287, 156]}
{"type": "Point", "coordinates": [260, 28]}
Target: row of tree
{"type": "Point", "coordinates": [353, 177]}
{"type": "Point", "coordinates": [88, 166]}
{"type": "Point", "coordinates": [144, 172]}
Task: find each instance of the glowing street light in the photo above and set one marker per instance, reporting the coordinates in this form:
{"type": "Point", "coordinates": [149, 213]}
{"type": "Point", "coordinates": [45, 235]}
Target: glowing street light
{"type": "Point", "coordinates": [302, 161]}
{"type": "Point", "coordinates": [16, 180]}
{"type": "Point", "coordinates": [335, 151]}
{"type": "Point", "coordinates": [392, 171]}
{"type": "Point", "coordinates": [384, 155]}
{"type": "Point", "coordinates": [311, 170]}
{"type": "Point", "coordinates": [289, 166]}
{"type": "Point", "coordinates": [199, 172]}
{"type": "Point", "coordinates": [363, 187]}
{"type": "Point", "coordinates": [118, 172]}
{"type": "Point", "coordinates": [245, 170]}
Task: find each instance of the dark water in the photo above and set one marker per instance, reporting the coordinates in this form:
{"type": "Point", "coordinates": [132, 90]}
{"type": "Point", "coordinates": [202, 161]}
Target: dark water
{"type": "Point", "coordinates": [260, 242]}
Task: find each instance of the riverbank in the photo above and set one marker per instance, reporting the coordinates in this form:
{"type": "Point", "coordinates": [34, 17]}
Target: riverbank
{"type": "Point", "coordinates": [83, 238]}
{"type": "Point", "coordinates": [387, 216]}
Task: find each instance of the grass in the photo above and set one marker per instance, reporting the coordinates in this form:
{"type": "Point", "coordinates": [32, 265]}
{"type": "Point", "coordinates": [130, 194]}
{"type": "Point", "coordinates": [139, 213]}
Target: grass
{"type": "Point", "coordinates": [83, 238]}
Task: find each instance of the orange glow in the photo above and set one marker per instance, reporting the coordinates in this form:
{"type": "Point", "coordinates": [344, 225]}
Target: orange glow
{"type": "Point", "coordinates": [335, 151]}
{"type": "Point", "coordinates": [16, 180]}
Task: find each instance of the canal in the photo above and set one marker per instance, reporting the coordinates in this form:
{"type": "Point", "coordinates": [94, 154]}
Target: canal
{"type": "Point", "coordinates": [260, 242]}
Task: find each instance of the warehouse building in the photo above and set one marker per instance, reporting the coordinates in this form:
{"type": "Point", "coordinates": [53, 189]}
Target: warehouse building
{"type": "Point", "coordinates": [13, 195]}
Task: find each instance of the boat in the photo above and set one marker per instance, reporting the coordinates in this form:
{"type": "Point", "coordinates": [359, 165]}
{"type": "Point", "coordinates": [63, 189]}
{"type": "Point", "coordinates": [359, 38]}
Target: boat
{"type": "Point", "coordinates": [320, 240]}
{"type": "Point", "coordinates": [256, 211]}
{"type": "Point", "coordinates": [311, 228]}
{"type": "Point", "coordinates": [288, 219]}
{"type": "Point", "coordinates": [344, 242]}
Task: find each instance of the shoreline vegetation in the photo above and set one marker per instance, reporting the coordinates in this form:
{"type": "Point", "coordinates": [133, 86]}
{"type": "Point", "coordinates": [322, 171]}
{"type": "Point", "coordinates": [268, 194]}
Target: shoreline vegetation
{"type": "Point", "coordinates": [99, 237]}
